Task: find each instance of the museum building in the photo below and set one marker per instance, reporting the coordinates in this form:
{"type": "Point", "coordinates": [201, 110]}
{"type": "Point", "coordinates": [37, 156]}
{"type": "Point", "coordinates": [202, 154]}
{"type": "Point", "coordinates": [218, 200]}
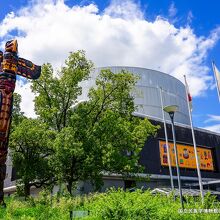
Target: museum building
{"type": "Point", "coordinates": [154, 153]}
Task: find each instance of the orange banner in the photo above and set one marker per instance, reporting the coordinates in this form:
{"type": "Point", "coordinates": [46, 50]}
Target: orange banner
{"type": "Point", "coordinates": [186, 156]}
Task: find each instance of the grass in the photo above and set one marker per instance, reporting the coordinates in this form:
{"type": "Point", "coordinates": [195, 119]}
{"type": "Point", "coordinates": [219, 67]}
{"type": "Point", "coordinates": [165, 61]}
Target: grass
{"type": "Point", "coordinates": [114, 204]}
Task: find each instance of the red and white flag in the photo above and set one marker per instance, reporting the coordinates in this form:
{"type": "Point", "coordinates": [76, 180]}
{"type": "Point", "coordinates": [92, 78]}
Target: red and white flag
{"type": "Point", "coordinates": [189, 97]}
{"type": "Point", "coordinates": [217, 78]}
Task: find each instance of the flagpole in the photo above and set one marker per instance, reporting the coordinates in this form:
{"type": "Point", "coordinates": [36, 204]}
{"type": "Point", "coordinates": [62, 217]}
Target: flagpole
{"type": "Point", "coordinates": [213, 67]}
{"type": "Point", "coordinates": [167, 144]}
{"type": "Point", "coordinates": [194, 144]}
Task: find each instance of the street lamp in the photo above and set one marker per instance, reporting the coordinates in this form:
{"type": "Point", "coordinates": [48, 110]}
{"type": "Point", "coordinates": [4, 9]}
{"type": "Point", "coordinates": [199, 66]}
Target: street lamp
{"type": "Point", "coordinates": [171, 109]}
{"type": "Point", "coordinates": [166, 138]}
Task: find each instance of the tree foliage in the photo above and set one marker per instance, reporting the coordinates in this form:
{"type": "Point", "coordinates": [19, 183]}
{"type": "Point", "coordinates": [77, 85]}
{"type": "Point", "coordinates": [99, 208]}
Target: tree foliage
{"type": "Point", "coordinates": [57, 92]}
{"type": "Point", "coordinates": [17, 114]}
{"type": "Point", "coordinates": [30, 147]}
{"type": "Point", "coordinates": [83, 141]}
{"type": "Point", "coordinates": [102, 132]}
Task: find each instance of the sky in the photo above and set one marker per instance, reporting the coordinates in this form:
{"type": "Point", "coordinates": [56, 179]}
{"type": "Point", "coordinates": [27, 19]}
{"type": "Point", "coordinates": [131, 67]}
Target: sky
{"type": "Point", "coordinates": [176, 37]}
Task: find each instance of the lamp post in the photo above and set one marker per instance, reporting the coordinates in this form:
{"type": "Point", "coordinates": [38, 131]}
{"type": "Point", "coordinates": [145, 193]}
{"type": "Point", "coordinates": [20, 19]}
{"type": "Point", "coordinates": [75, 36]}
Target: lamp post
{"type": "Point", "coordinates": [171, 109]}
{"type": "Point", "coordinates": [166, 138]}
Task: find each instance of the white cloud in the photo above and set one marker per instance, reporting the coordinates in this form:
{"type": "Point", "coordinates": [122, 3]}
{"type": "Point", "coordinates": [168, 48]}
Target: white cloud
{"type": "Point", "coordinates": [27, 104]}
{"type": "Point", "coordinates": [215, 120]}
{"type": "Point", "coordinates": [120, 35]}
{"type": "Point", "coordinates": [215, 128]}
{"type": "Point", "coordinates": [172, 10]}
{"type": "Point", "coordinates": [190, 17]}
{"type": "Point", "coordinates": [125, 9]}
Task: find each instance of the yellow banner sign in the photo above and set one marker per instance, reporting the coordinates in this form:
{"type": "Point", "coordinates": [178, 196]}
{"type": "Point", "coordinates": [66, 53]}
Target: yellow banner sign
{"type": "Point", "coordinates": [186, 156]}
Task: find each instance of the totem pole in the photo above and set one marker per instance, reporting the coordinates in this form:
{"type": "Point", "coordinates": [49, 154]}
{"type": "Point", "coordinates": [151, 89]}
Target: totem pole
{"type": "Point", "coordinates": [11, 65]}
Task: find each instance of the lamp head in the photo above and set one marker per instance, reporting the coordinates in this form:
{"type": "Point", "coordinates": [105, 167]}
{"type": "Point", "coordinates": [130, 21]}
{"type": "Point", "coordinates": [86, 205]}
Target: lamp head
{"type": "Point", "coordinates": [171, 109]}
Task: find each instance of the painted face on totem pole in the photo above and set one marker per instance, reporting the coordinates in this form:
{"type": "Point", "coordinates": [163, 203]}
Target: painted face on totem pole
{"type": "Point", "coordinates": [11, 46]}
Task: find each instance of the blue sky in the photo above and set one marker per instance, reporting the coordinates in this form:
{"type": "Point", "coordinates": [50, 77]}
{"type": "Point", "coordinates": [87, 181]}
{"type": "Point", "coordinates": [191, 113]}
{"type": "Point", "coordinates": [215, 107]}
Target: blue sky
{"type": "Point", "coordinates": [194, 28]}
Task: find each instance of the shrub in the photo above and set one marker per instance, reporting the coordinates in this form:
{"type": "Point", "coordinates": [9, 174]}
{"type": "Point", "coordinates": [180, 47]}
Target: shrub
{"type": "Point", "coordinates": [114, 204]}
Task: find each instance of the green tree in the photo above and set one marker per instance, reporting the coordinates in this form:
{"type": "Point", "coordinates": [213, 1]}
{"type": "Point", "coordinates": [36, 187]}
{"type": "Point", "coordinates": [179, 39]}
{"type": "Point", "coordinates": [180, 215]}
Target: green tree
{"type": "Point", "coordinates": [58, 92]}
{"type": "Point", "coordinates": [101, 132]}
{"type": "Point", "coordinates": [17, 114]}
{"type": "Point", "coordinates": [30, 149]}
{"type": "Point", "coordinates": [92, 137]}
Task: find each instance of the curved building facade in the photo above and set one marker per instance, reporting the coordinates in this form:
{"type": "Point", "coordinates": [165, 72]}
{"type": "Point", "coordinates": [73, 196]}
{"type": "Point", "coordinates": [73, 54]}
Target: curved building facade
{"type": "Point", "coordinates": [153, 156]}
{"type": "Point", "coordinates": [147, 92]}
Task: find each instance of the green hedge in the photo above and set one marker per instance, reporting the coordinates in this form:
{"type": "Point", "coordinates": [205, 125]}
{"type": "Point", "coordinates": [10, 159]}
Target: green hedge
{"type": "Point", "coordinates": [114, 204]}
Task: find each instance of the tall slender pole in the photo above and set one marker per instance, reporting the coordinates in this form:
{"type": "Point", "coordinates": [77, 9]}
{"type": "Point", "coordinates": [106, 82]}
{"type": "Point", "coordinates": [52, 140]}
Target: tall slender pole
{"type": "Point", "coordinates": [216, 80]}
{"type": "Point", "coordinates": [167, 144]}
{"type": "Point", "coordinates": [176, 158]}
{"type": "Point", "coordinates": [194, 144]}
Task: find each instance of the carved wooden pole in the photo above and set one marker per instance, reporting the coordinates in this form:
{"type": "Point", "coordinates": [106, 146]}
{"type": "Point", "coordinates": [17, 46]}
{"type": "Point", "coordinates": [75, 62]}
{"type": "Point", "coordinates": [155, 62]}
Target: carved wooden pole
{"type": "Point", "coordinates": [11, 65]}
